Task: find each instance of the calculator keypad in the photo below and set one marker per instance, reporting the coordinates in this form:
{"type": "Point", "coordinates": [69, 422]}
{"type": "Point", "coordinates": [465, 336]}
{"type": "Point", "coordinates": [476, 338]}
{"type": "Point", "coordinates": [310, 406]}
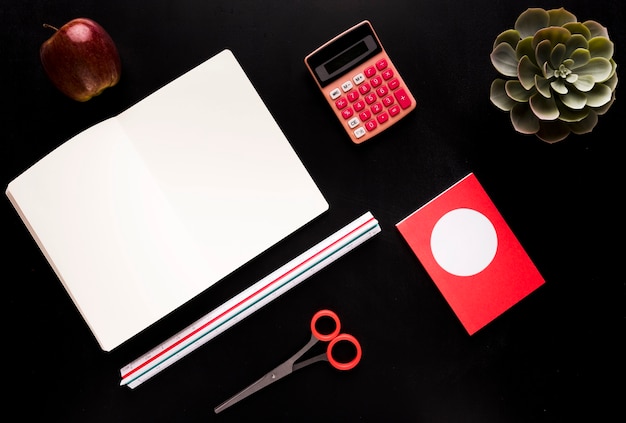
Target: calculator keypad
{"type": "Point", "coordinates": [370, 98]}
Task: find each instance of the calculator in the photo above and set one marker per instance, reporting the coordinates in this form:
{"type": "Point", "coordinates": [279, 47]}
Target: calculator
{"type": "Point", "coordinates": [360, 82]}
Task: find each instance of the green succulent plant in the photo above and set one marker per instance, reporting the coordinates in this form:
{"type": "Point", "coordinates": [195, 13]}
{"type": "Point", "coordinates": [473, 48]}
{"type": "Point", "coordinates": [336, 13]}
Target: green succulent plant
{"type": "Point", "coordinates": [558, 73]}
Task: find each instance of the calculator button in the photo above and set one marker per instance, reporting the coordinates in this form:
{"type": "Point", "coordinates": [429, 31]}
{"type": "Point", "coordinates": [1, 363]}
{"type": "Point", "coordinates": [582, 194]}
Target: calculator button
{"type": "Point", "coordinates": [387, 74]}
{"type": "Point", "coordinates": [388, 101]}
{"type": "Point", "coordinates": [359, 78]}
{"type": "Point", "coordinates": [382, 91]}
{"type": "Point", "coordinates": [359, 132]}
{"type": "Point", "coordinates": [352, 123]}
{"type": "Point", "coordinates": [370, 71]}
{"type": "Point", "coordinates": [370, 98]}
{"type": "Point", "coordinates": [393, 84]}
{"type": "Point", "coordinates": [334, 94]}
{"type": "Point", "coordinates": [370, 125]}
{"type": "Point", "coordinates": [403, 98]}
{"type": "Point", "coordinates": [376, 81]}
{"type": "Point", "coordinates": [359, 105]}
{"type": "Point", "coordinates": [364, 89]}
{"type": "Point", "coordinates": [394, 110]}
{"type": "Point", "coordinates": [353, 96]}
{"type": "Point", "coordinates": [347, 113]}
{"type": "Point", "coordinates": [341, 103]}
{"type": "Point", "coordinates": [365, 115]}
{"type": "Point", "coordinates": [346, 86]}
{"type": "Point", "coordinates": [382, 118]}
{"type": "Point", "coordinates": [377, 108]}
{"type": "Point", "coordinates": [381, 64]}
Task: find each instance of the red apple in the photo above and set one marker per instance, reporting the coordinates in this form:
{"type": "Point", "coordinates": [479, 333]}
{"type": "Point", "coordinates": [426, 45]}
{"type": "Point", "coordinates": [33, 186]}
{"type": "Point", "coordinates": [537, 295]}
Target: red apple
{"type": "Point", "coordinates": [81, 59]}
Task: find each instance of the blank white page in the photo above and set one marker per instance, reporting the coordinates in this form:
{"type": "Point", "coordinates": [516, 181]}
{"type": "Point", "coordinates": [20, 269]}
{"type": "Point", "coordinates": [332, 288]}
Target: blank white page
{"type": "Point", "coordinates": [142, 212]}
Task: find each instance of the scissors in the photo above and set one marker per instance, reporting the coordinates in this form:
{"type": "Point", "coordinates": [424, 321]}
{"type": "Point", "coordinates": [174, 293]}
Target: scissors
{"type": "Point", "coordinates": [333, 337]}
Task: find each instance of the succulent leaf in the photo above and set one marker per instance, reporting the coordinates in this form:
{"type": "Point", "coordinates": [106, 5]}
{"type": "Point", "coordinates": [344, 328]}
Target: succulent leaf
{"type": "Point", "coordinates": [598, 67]}
{"type": "Point", "coordinates": [557, 55]}
{"type": "Point", "coordinates": [544, 108]}
{"type": "Point", "coordinates": [554, 34]}
{"type": "Point", "coordinates": [542, 53]}
{"type": "Point", "coordinates": [578, 58]}
{"type": "Point", "coordinates": [560, 17]}
{"type": "Point", "coordinates": [510, 36]}
{"type": "Point", "coordinates": [526, 72]}
{"type": "Point", "coordinates": [542, 85]}
{"type": "Point", "coordinates": [504, 59]}
{"type": "Point", "coordinates": [548, 72]}
{"type": "Point", "coordinates": [574, 100]}
{"type": "Point", "coordinates": [584, 83]}
{"type": "Point", "coordinates": [612, 81]}
{"type": "Point", "coordinates": [515, 91]}
{"type": "Point", "coordinates": [559, 86]}
{"type": "Point", "coordinates": [585, 125]}
{"type": "Point", "coordinates": [523, 119]}
{"type": "Point", "coordinates": [601, 47]}
{"type": "Point", "coordinates": [571, 115]}
{"type": "Point", "coordinates": [552, 132]}
{"type": "Point", "coordinates": [603, 109]}
{"type": "Point", "coordinates": [531, 21]}
{"type": "Point", "coordinates": [525, 48]}
{"type": "Point", "coordinates": [578, 28]}
{"type": "Point", "coordinates": [599, 95]}
{"type": "Point", "coordinates": [499, 97]}
{"type": "Point", "coordinates": [576, 41]}
{"type": "Point", "coordinates": [596, 29]}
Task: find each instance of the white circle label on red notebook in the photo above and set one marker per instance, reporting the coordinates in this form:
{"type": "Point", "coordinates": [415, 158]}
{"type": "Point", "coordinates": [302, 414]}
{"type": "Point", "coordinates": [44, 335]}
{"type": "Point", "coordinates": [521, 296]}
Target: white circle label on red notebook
{"type": "Point", "coordinates": [464, 242]}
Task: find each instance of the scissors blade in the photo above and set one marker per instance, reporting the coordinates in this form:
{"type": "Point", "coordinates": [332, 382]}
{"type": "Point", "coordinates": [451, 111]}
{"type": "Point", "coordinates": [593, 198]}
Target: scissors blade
{"type": "Point", "coordinates": [321, 357]}
{"type": "Point", "coordinates": [269, 378]}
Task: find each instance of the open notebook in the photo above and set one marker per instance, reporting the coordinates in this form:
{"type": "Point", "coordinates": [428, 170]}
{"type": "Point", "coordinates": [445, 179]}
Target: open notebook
{"type": "Point", "coordinates": [141, 212]}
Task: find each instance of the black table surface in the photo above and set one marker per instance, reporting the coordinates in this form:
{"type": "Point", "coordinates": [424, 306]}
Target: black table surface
{"type": "Point", "coordinates": [555, 355]}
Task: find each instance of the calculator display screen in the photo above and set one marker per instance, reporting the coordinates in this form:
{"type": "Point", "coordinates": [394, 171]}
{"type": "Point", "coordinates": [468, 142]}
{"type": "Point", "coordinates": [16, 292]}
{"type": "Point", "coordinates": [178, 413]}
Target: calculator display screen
{"type": "Point", "coordinates": [344, 53]}
{"type": "Point", "coordinates": [346, 57]}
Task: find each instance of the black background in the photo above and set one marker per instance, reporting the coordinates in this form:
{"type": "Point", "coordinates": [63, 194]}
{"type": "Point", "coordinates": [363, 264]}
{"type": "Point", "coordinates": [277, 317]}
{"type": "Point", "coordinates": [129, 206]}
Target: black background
{"type": "Point", "coordinates": [555, 356]}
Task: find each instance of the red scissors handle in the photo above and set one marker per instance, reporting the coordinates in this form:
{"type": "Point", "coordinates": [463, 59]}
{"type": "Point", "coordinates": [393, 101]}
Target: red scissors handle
{"type": "Point", "coordinates": [322, 314]}
{"type": "Point", "coordinates": [335, 338]}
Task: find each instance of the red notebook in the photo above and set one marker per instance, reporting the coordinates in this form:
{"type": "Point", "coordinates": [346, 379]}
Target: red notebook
{"type": "Point", "coordinates": [471, 254]}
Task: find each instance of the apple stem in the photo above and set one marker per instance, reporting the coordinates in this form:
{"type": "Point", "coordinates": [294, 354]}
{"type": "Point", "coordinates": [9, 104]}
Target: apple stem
{"type": "Point", "coordinates": [50, 26]}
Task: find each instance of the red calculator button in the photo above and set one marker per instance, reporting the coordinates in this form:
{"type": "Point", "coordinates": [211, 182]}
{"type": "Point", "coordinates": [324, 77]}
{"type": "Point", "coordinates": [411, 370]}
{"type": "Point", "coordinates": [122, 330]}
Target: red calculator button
{"type": "Point", "coordinates": [381, 64]}
{"type": "Point", "coordinates": [364, 89]}
{"type": "Point", "coordinates": [359, 105]}
{"type": "Point", "coordinates": [370, 98]}
{"type": "Point", "coordinates": [387, 74]}
{"type": "Point", "coordinates": [376, 81]}
{"type": "Point", "coordinates": [365, 115]}
{"type": "Point", "coordinates": [352, 96]}
{"type": "Point", "coordinates": [382, 118]}
{"type": "Point", "coordinates": [403, 98]}
{"type": "Point", "coordinates": [370, 71]}
{"type": "Point", "coordinates": [377, 108]}
{"type": "Point", "coordinates": [393, 84]}
{"type": "Point", "coordinates": [347, 113]}
{"type": "Point", "coordinates": [382, 91]}
{"type": "Point", "coordinates": [370, 125]}
{"type": "Point", "coordinates": [394, 110]}
{"type": "Point", "coordinates": [341, 103]}
{"type": "Point", "coordinates": [388, 101]}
